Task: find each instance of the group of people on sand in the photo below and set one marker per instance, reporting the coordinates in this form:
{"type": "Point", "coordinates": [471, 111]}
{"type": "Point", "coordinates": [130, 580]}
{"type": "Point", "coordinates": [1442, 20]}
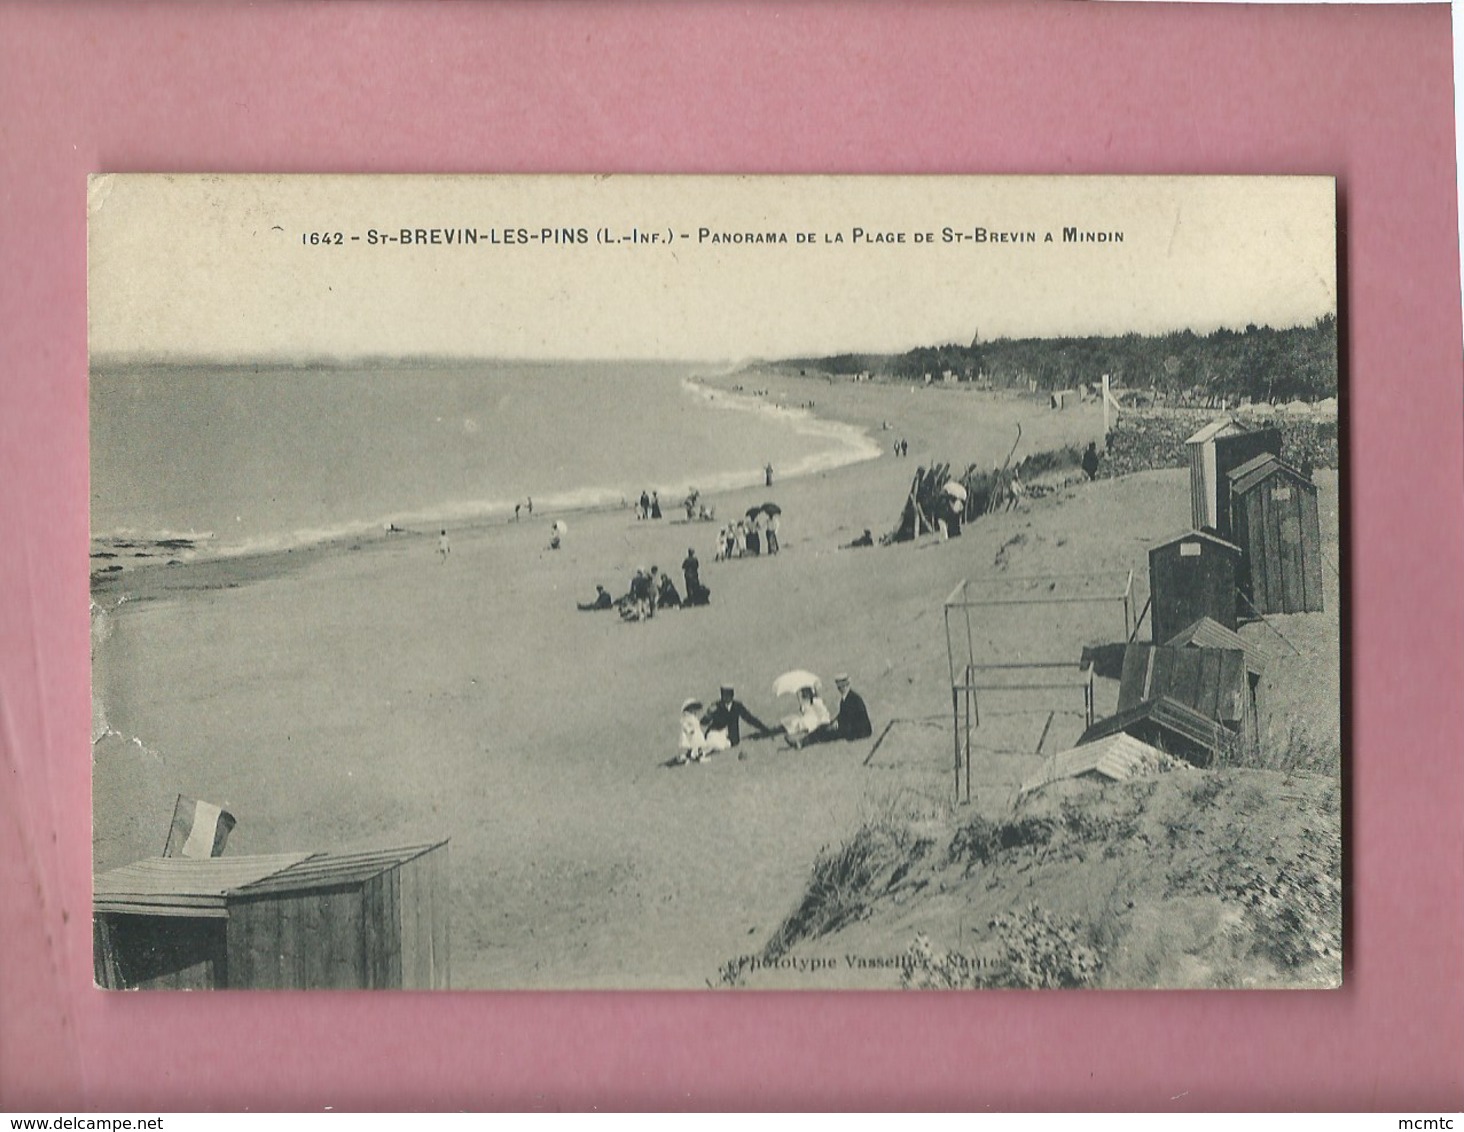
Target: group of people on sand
{"type": "Point", "coordinates": [747, 538]}
{"type": "Point", "coordinates": [705, 731]}
{"type": "Point", "coordinates": [650, 590]}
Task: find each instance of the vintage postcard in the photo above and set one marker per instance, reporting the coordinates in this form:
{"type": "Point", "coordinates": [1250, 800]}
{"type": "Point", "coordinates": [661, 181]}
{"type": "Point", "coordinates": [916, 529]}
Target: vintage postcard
{"type": "Point", "coordinates": [687, 582]}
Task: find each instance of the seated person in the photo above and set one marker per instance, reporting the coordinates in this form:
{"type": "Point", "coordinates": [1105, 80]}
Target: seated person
{"type": "Point", "coordinates": [601, 600]}
{"type": "Point", "coordinates": [694, 744]}
{"type": "Point", "coordinates": [667, 594]}
{"type": "Point", "coordinates": [851, 723]}
{"type": "Point", "coordinates": [866, 539]}
{"type": "Point", "coordinates": [727, 714]}
{"type": "Point", "coordinates": [811, 715]}
{"type": "Point", "coordinates": [642, 595]}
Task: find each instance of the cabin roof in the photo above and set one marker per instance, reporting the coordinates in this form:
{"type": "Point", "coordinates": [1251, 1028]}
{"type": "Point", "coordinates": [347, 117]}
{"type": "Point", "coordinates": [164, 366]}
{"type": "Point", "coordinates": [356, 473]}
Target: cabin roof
{"type": "Point", "coordinates": [330, 870]}
{"type": "Point", "coordinates": [1223, 426]}
{"type": "Point", "coordinates": [1168, 715]}
{"type": "Point", "coordinates": [1190, 536]}
{"type": "Point", "coordinates": [1261, 468]}
{"type": "Point", "coordinates": [1116, 757]}
{"type": "Point", "coordinates": [1209, 633]}
{"type": "Point", "coordinates": [184, 886]}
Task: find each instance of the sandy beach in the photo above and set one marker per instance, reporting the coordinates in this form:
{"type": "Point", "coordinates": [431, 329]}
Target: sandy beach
{"type": "Point", "coordinates": [369, 693]}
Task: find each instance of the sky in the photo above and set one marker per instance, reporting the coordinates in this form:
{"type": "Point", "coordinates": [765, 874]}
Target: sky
{"type": "Point", "coordinates": [286, 268]}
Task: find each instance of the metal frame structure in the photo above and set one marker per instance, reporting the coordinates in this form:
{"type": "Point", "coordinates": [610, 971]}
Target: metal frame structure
{"type": "Point", "coordinates": [968, 678]}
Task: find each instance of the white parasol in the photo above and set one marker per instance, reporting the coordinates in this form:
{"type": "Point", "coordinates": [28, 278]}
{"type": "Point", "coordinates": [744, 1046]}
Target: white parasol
{"type": "Point", "coordinates": [790, 683]}
{"type": "Point", "coordinates": [955, 489]}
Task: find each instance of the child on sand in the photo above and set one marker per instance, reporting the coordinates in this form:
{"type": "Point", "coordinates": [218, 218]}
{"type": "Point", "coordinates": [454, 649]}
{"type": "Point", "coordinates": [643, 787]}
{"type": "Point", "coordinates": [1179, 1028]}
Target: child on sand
{"type": "Point", "coordinates": [443, 547]}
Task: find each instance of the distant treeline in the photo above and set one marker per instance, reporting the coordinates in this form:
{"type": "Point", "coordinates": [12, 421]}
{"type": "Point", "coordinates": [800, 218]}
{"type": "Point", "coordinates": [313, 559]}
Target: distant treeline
{"type": "Point", "coordinates": [1258, 362]}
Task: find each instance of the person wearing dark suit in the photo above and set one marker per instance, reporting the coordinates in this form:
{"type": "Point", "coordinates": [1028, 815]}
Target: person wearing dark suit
{"type": "Point", "coordinates": [852, 720]}
{"type": "Point", "coordinates": [727, 714]}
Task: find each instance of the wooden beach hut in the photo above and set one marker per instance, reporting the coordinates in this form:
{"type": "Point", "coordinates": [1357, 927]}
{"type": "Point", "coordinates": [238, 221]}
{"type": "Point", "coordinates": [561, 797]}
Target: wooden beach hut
{"type": "Point", "coordinates": [1276, 523]}
{"type": "Point", "coordinates": [1190, 577]}
{"type": "Point", "coordinates": [1215, 450]}
{"type": "Point", "coordinates": [368, 920]}
{"type": "Point", "coordinates": [1206, 633]}
{"type": "Point", "coordinates": [1214, 682]}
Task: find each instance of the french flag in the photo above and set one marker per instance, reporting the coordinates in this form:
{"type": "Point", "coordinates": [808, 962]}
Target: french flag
{"type": "Point", "coordinates": [199, 829]}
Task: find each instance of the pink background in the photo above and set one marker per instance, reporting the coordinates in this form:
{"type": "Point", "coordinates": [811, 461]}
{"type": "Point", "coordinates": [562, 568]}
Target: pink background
{"type": "Point", "coordinates": [1362, 93]}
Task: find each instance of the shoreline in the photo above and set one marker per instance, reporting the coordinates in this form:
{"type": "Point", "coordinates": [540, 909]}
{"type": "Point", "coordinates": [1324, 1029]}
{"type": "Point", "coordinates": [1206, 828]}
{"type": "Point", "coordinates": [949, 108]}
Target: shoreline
{"type": "Point", "coordinates": [125, 553]}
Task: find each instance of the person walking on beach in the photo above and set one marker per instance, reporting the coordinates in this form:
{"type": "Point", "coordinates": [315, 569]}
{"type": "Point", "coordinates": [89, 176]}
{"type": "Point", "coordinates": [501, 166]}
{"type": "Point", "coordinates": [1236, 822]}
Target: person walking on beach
{"type": "Point", "coordinates": [517, 507]}
{"type": "Point", "coordinates": [644, 510]}
{"type": "Point", "coordinates": [768, 475]}
{"type": "Point", "coordinates": [773, 532]}
{"type": "Point", "coordinates": [655, 505]}
{"type": "Point", "coordinates": [444, 548]}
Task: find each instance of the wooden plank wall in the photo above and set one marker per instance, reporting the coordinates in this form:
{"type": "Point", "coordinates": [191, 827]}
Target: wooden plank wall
{"type": "Point", "coordinates": [382, 931]}
{"type": "Point", "coordinates": [1199, 512]}
{"type": "Point", "coordinates": [1283, 545]}
{"type": "Point", "coordinates": [309, 940]}
{"type": "Point", "coordinates": [422, 889]}
{"type": "Point", "coordinates": [1212, 681]}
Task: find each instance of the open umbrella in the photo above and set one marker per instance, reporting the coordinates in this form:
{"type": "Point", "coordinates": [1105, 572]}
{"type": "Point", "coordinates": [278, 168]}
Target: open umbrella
{"type": "Point", "coordinates": [692, 705]}
{"type": "Point", "coordinates": [955, 489]}
{"type": "Point", "coordinates": [753, 511]}
{"type": "Point", "coordinates": [559, 526]}
{"type": "Point", "coordinates": [771, 509]}
{"type": "Point", "coordinates": [789, 683]}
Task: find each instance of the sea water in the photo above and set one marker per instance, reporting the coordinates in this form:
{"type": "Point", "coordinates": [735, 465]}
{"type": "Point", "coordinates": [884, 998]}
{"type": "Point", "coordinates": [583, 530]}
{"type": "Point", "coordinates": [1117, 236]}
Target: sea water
{"type": "Point", "coordinates": [252, 458]}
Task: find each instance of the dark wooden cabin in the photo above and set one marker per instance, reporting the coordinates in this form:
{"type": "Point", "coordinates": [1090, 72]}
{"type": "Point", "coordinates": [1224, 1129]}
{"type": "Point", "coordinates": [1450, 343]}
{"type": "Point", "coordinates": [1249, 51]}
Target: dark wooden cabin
{"type": "Point", "coordinates": [1190, 577]}
{"type": "Point", "coordinates": [1212, 681]}
{"type": "Point", "coordinates": [1274, 516]}
{"type": "Point", "coordinates": [368, 920]}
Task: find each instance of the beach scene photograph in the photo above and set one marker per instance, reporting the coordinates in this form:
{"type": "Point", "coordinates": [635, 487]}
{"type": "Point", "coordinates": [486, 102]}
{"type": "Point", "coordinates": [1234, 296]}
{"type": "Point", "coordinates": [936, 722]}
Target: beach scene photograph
{"type": "Point", "coordinates": [716, 583]}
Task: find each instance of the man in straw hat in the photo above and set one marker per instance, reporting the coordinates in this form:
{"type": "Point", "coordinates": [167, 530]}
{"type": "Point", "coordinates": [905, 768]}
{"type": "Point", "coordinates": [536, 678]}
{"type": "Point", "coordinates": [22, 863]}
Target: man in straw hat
{"type": "Point", "coordinates": [852, 720]}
